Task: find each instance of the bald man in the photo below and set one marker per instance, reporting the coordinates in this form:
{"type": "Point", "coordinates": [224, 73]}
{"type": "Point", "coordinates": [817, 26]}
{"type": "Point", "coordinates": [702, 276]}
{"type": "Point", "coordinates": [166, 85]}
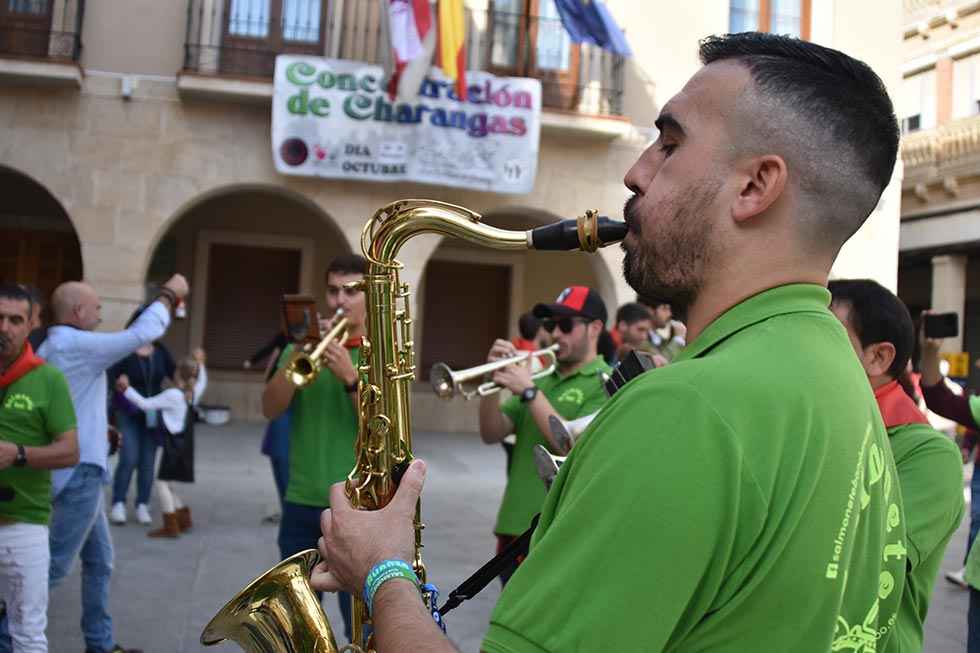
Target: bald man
{"type": "Point", "coordinates": [78, 522]}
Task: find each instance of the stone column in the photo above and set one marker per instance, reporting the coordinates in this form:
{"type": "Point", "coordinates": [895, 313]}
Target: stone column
{"type": "Point", "coordinates": [949, 292]}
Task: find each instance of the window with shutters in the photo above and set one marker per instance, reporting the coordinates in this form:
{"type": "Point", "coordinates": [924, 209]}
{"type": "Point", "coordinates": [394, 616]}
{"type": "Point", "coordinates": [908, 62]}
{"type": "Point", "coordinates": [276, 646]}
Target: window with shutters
{"type": "Point", "coordinates": [790, 17]}
{"type": "Point", "coordinates": [236, 324]}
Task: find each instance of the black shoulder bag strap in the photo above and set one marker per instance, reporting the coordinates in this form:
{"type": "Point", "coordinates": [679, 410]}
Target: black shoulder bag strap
{"type": "Point", "coordinates": [485, 574]}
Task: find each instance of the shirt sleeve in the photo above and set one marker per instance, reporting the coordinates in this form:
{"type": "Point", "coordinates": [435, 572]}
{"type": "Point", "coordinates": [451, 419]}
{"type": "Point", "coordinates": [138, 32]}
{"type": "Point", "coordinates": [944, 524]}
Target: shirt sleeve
{"type": "Point", "coordinates": [166, 400]}
{"type": "Point", "coordinates": [61, 412]}
{"type": "Point", "coordinates": [932, 493]}
{"type": "Point", "coordinates": [942, 401]}
{"type": "Point", "coordinates": [681, 523]}
{"type": "Point", "coordinates": [201, 385]}
{"type": "Point", "coordinates": [103, 349]}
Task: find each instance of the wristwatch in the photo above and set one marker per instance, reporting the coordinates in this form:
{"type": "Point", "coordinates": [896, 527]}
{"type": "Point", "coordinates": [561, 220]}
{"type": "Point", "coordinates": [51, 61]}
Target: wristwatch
{"type": "Point", "coordinates": [351, 388]}
{"type": "Point", "coordinates": [21, 459]}
{"type": "Point", "coordinates": [529, 394]}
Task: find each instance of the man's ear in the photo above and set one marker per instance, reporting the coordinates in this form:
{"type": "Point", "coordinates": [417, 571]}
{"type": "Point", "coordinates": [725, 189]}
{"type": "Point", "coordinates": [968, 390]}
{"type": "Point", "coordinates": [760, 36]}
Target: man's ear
{"type": "Point", "coordinates": [763, 180]}
{"type": "Point", "coordinates": [879, 358]}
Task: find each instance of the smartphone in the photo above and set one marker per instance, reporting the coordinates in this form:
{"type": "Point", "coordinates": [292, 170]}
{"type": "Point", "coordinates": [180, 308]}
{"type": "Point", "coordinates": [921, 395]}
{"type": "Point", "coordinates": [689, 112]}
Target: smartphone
{"type": "Point", "coordinates": [941, 325]}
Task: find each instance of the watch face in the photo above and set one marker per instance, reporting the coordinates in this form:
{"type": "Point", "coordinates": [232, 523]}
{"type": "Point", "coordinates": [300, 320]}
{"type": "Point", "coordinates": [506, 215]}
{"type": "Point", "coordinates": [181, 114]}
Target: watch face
{"type": "Point", "coordinates": [529, 394]}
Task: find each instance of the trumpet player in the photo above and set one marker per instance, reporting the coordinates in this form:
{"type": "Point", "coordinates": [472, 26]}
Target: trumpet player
{"type": "Point", "coordinates": [575, 321]}
{"type": "Point", "coordinates": [323, 420]}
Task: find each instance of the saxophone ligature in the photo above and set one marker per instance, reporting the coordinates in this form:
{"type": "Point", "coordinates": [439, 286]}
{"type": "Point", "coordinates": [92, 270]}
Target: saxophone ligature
{"type": "Point", "coordinates": [383, 448]}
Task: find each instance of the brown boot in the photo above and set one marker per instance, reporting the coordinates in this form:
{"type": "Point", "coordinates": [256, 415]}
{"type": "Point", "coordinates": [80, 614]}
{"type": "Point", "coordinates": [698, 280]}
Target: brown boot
{"type": "Point", "coordinates": [184, 519]}
{"type": "Point", "coordinates": [170, 527]}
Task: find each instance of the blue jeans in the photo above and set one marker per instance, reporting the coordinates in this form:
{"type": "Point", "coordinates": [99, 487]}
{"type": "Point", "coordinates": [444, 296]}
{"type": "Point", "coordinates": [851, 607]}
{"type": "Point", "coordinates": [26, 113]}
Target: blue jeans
{"type": "Point", "coordinates": [974, 508]}
{"type": "Point", "coordinates": [973, 623]}
{"type": "Point", "coordinates": [300, 530]}
{"type": "Point", "coordinates": [275, 445]}
{"type": "Point", "coordinates": [138, 453]}
{"type": "Point", "coordinates": [79, 528]}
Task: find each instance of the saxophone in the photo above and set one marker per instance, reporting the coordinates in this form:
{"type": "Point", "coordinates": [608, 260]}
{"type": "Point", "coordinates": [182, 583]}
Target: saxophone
{"type": "Point", "coordinates": [383, 449]}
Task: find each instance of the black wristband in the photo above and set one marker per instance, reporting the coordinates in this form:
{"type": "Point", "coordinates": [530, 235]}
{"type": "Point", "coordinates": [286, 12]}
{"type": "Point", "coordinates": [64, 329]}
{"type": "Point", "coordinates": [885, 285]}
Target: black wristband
{"type": "Point", "coordinates": [21, 460]}
{"type": "Point", "coordinates": [170, 295]}
{"type": "Point", "coordinates": [351, 388]}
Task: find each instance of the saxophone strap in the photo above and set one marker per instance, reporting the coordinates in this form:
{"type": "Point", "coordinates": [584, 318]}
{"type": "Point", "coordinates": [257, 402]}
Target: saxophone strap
{"type": "Point", "coordinates": [485, 574]}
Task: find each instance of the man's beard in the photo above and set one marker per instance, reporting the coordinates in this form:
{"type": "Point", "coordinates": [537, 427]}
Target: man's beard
{"type": "Point", "coordinates": [669, 266]}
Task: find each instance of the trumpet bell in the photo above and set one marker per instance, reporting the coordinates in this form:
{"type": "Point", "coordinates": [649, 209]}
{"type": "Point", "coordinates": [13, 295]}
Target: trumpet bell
{"type": "Point", "coordinates": [441, 378]}
{"type": "Point", "coordinates": [278, 612]}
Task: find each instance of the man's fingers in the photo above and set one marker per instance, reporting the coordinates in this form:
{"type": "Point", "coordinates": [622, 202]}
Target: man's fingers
{"type": "Point", "coordinates": [338, 497]}
{"type": "Point", "coordinates": [322, 580]}
{"type": "Point", "coordinates": [410, 487]}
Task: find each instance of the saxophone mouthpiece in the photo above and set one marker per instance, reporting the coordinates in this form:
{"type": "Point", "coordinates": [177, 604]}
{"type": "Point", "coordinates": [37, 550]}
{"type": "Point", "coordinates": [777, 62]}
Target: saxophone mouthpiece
{"type": "Point", "coordinates": [588, 233]}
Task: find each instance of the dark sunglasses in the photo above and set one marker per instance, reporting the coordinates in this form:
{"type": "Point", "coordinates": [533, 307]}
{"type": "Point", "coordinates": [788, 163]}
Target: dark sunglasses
{"type": "Point", "coordinates": [566, 324]}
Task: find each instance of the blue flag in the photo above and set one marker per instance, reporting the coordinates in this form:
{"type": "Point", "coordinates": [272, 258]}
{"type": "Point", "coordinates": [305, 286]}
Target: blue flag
{"type": "Point", "coordinates": [589, 21]}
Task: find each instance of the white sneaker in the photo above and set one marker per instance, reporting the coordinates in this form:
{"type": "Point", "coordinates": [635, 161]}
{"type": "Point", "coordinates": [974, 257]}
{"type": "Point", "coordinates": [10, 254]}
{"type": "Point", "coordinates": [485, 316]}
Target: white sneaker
{"type": "Point", "coordinates": [956, 578]}
{"type": "Point", "coordinates": [118, 513]}
{"type": "Point", "coordinates": [143, 515]}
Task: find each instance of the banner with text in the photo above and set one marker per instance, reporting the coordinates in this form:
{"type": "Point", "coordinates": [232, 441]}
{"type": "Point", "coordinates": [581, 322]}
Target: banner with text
{"type": "Point", "coordinates": [332, 118]}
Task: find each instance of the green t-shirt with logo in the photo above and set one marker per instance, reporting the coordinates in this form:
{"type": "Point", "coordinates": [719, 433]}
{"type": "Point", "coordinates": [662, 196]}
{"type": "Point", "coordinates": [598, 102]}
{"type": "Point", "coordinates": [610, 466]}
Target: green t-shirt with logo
{"type": "Point", "coordinates": [930, 474]}
{"type": "Point", "coordinates": [743, 498]}
{"type": "Point", "coordinates": [34, 410]}
{"type": "Point", "coordinates": [322, 433]}
{"type": "Point", "coordinates": [580, 393]}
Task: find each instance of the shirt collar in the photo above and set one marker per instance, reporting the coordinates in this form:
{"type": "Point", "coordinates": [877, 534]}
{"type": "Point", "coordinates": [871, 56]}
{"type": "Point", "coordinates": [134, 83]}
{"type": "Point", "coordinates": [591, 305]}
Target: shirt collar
{"type": "Point", "coordinates": [594, 366]}
{"type": "Point", "coordinates": [792, 298]}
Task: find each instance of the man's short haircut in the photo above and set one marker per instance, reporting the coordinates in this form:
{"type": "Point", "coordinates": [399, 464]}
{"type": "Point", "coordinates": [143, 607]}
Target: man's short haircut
{"type": "Point", "coordinates": [17, 293]}
{"type": "Point", "coordinates": [827, 114]}
{"type": "Point", "coordinates": [347, 264]}
{"type": "Point", "coordinates": [877, 315]}
{"type": "Point", "coordinates": [632, 313]}
{"type": "Point", "coordinates": [528, 325]}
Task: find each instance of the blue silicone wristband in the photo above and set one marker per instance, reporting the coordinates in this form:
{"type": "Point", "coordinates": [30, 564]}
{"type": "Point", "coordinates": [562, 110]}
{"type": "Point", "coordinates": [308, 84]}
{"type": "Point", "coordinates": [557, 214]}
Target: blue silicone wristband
{"type": "Point", "coordinates": [381, 573]}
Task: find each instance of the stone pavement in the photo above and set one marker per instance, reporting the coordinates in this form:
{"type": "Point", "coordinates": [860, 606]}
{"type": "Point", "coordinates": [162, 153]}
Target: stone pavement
{"type": "Point", "coordinates": [165, 591]}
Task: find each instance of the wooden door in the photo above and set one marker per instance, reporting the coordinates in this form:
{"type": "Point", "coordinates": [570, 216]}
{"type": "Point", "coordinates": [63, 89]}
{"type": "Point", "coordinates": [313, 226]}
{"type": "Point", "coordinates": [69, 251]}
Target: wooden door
{"type": "Point", "coordinates": [467, 307]}
{"type": "Point", "coordinates": [43, 259]}
{"type": "Point", "coordinates": [25, 27]}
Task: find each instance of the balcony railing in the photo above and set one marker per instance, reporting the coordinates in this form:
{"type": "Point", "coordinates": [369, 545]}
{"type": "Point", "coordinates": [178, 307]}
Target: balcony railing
{"type": "Point", "coordinates": [41, 29]}
{"type": "Point", "coordinates": [581, 79]}
{"type": "Point", "coordinates": [945, 147]}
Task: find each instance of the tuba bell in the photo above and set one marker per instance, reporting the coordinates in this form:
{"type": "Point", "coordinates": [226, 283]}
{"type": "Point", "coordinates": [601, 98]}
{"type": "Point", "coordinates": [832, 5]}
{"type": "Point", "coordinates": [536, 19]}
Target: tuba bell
{"type": "Point", "coordinates": [278, 611]}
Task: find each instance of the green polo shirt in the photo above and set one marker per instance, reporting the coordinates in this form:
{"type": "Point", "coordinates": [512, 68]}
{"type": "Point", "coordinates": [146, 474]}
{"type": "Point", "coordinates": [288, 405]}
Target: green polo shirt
{"type": "Point", "coordinates": [743, 498]}
{"type": "Point", "coordinates": [930, 474]}
{"type": "Point", "coordinates": [322, 433]}
{"type": "Point", "coordinates": [34, 410]}
{"type": "Point", "coordinates": [580, 393]}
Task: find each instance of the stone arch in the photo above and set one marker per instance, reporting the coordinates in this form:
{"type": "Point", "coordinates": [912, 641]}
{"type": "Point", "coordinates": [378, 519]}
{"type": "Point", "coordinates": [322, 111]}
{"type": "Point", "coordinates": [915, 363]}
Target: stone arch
{"type": "Point", "coordinates": [45, 246]}
{"type": "Point", "coordinates": [242, 247]}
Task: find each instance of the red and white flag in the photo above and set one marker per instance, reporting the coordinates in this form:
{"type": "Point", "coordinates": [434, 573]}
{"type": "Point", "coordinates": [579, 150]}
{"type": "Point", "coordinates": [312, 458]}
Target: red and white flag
{"type": "Point", "coordinates": [413, 40]}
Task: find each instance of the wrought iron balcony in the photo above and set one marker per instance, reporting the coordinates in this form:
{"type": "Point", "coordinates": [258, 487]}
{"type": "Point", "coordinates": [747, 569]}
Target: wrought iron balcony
{"type": "Point", "coordinates": [41, 29]}
{"type": "Point", "coordinates": [241, 38]}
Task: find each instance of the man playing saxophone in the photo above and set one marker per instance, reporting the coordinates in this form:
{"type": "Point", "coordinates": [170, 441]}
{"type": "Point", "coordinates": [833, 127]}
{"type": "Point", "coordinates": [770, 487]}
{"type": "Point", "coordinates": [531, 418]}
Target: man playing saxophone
{"type": "Point", "coordinates": [743, 498]}
{"type": "Point", "coordinates": [574, 389]}
{"type": "Point", "coordinates": [323, 422]}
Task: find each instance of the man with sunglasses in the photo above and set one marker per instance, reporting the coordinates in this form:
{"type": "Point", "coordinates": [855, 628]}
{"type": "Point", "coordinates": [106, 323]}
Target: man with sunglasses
{"type": "Point", "coordinates": [574, 389]}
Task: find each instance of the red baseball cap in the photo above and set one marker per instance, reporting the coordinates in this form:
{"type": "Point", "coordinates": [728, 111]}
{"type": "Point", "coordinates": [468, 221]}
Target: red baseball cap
{"type": "Point", "coordinates": [574, 301]}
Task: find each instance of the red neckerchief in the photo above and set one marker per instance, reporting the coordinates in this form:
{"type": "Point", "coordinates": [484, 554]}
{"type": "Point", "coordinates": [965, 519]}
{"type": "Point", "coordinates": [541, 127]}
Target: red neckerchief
{"type": "Point", "coordinates": [25, 363]}
{"type": "Point", "coordinates": [896, 407]}
{"type": "Point", "coordinates": [353, 343]}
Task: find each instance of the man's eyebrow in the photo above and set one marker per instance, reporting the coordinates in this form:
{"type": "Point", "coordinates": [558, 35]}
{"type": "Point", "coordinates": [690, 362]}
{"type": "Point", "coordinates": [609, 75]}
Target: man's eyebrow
{"type": "Point", "coordinates": [668, 121]}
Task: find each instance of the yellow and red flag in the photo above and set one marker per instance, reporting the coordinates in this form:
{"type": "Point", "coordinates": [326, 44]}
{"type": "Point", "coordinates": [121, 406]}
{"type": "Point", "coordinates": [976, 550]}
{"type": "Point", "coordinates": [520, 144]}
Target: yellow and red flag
{"type": "Point", "coordinates": [452, 43]}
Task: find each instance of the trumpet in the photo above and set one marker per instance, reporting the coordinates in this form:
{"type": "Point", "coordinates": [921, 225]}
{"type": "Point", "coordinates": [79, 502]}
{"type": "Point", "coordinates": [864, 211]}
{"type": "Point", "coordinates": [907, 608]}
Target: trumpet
{"type": "Point", "coordinates": [303, 369]}
{"type": "Point", "coordinates": [448, 383]}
